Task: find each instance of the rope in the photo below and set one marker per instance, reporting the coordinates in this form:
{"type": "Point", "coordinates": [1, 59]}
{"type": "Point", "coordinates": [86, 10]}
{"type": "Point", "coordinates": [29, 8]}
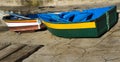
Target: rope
{"type": "Point", "coordinates": [39, 23]}
{"type": "Point", "coordinates": [107, 19]}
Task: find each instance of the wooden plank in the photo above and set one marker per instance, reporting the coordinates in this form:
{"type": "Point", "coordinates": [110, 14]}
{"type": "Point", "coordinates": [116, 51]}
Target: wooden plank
{"type": "Point", "coordinates": [3, 45]}
{"type": "Point", "coordinates": [9, 50]}
{"type": "Point", "coordinates": [21, 54]}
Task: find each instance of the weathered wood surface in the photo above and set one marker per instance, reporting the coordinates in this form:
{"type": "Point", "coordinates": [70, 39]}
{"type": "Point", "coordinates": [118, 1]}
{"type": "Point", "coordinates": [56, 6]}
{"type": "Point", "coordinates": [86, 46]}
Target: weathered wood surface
{"type": "Point", "coordinates": [2, 45]}
{"type": "Point", "coordinates": [9, 50]}
{"type": "Point", "coordinates": [21, 54]}
{"type": "Point", "coordinates": [16, 52]}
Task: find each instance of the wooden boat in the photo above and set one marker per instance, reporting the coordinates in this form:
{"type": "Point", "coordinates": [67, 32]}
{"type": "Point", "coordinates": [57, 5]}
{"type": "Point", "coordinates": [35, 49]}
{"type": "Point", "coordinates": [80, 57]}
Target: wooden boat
{"type": "Point", "coordinates": [22, 24]}
{"type": "Point", "coordinates": [101, 21]}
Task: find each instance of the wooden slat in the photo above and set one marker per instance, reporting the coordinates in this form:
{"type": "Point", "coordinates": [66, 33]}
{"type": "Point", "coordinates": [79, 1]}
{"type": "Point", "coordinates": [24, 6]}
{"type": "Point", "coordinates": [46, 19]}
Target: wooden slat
{"type": "Point", "coordinates": [3, 45]}
{"type": "Point", "coordinates": [21, 54]}
{"type": "Point", "coordinates": [9, 50]}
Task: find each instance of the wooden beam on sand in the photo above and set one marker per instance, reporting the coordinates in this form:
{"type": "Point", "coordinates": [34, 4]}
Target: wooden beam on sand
{"type": "Point", "coordinates": [2, 45]}
{"type": "Point", "coordinates": [21, 54]}
{"type": "Point", "coordinates": [9, 50]}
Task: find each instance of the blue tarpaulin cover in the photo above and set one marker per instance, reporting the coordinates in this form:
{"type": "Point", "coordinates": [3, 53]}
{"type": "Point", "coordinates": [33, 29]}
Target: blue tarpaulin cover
{"type": "Point", "coordinates": [75, 15]}
{"type": "Point", "coordinates": [18, 16]}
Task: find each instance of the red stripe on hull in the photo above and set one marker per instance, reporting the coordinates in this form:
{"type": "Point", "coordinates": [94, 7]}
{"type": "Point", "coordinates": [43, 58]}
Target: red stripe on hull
{"type": "Point", "coordinates": [24, 28]}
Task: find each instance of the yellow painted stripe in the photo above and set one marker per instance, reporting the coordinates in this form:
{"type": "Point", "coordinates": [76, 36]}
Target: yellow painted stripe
{"type": "Point", "coordinates": [20, 21]}
{"type": "Point", "coordinates": [71, 26]}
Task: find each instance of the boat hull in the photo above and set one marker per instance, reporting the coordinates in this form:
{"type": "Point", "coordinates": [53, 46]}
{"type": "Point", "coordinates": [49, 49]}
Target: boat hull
{"type": "Point", "coordinates": [92, 29]}
{"type": "Point", "coordinates": [23, 25]}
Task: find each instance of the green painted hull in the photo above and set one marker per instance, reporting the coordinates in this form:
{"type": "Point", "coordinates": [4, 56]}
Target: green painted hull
{"type": "Point", "coordinates": [103, 24]}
